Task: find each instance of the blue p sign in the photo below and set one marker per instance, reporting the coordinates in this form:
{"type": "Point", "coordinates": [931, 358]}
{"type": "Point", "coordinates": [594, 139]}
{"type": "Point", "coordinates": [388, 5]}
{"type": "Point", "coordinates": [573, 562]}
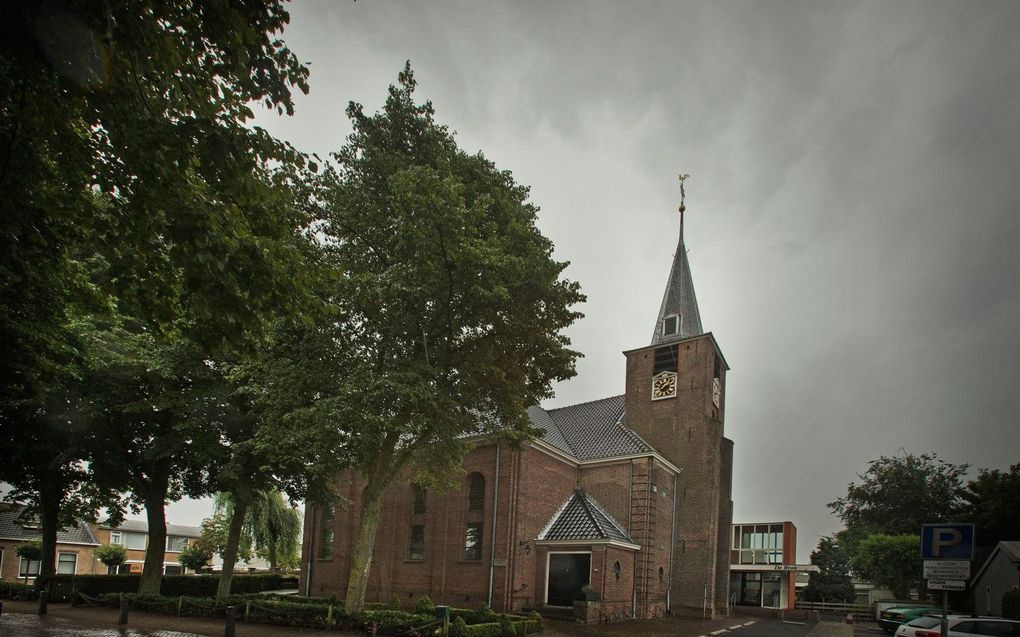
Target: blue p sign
{"type": "Point", "coordinates": [947, 541]}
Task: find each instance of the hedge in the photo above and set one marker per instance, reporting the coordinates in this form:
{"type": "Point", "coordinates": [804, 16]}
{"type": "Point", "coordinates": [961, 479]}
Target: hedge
{"type": "Point", "coordinates": [306, 612]}
{"type": "Point", "coordinates": [171, 585]}
{"type": "Point", "coordinates": [11, 590]}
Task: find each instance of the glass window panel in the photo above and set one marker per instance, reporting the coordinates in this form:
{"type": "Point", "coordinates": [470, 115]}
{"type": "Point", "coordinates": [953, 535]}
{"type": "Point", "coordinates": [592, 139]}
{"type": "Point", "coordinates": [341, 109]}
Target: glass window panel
{"type": "Point", "coordinates": [746, 557]}
{"type": "Point", "coordinates": [759, 557]}
{"type": "Point", "coordinates": [66, 563]}
{"type": "Point", "coordinates": [736, 537]}
{"type": "Point", "coordinates": [326, 544]}
{"type": "Point", "coordinates": [476, 492]}
{"type": "Point", "coordinates": [176, 543]}
{"type": "Point", "coordinates": [416, 550]}
{"type": "Point", "coordinates": [417, 499]}
{"type": "Point", "coordinates": [28, 568]}
{"type": "Point", "coordinates": [473, 541]}
{"type": "Point", "coordinates": [745, 533]}
{"type": "Point", "coordinates": [170, 569]}
{"type": "Point", "coordinates": [134, 541]}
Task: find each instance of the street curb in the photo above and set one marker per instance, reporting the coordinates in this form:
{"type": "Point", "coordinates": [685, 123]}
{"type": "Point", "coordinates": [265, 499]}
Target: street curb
{"type": "Point", "coordinates": [722, 631]}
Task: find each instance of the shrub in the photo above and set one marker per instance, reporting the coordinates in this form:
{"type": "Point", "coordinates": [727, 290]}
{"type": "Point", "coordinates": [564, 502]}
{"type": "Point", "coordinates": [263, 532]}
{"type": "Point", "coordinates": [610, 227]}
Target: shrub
{"type": "Point", "coordinates": [1011, 604]}
{"type": "Point", "coordinates": [111, 554]}
{"type": "Point", "coordinates": [395, 602]}
{"type": "Point", "coordinates": [481, 615]}
{"type": "Point", "coordinates": [458, 628]}
{"type": "Point", "coordinates": [506, 627]}
{"type": "Point", "coordinates": [196, 557]}
{"type": "Point", "coordinates": [490, 629]}
{"type": "Point", "coordinates": [172, 585]}
{"type": "Point", "coordinates": [11, 590]}
{"type": "Point", "coordinates": [535, 623]}
{"type": "Point", "coordinates": [425, 607]}
{"type": "Point", "coordinates": [31, 551]}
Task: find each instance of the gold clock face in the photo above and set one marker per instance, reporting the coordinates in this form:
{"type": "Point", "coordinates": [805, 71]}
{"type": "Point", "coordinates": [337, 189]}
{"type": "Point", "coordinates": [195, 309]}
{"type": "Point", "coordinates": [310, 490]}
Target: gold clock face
{"type": "Point", "coordinates": [664, 386]}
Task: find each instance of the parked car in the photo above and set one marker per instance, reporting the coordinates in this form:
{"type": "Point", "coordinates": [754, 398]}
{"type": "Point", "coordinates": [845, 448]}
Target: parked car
{"type": "Point", "coordinates": [891, 618]}
{"type": "Point", "coordinates": [960, 626]}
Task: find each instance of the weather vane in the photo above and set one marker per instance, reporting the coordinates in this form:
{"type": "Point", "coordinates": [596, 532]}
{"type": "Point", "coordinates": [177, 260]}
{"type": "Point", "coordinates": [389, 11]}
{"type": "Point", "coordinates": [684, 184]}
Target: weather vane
{"type": "Point", "coordinates": [683, 195]}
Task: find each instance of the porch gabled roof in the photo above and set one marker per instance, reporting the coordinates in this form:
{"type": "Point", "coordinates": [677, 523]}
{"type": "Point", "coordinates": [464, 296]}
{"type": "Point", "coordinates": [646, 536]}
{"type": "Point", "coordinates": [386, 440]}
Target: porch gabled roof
{"type": "Point", "coordinates": [582, 519]}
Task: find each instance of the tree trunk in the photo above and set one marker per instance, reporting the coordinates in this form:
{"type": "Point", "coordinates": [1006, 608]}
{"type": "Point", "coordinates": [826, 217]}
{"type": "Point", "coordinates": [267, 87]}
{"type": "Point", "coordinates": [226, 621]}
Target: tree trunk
{"type": "Point", "coordinates": [371, 501]}
{"type": "Point", "coordinates": [50, 497]}
{"type": "Point", "coordinates": [272, 555]}
{"type": "Point", "coordinates": [242, 496]}
{"type": "Point", "coordinates": [155, 514]}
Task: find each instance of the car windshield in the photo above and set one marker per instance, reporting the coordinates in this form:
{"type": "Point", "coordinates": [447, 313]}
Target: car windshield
{"type": "Point", "coordinates": [925, 622]}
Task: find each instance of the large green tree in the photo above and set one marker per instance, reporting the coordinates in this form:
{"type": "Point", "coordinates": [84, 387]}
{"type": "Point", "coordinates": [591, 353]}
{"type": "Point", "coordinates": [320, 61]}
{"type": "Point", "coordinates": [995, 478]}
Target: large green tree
{"type": "Point", "coordinates": [446, 308]}
{"type": "Point", "coordinates": [897, 494]}
{"type": "Point", "coordinates": [131, 181]}
{"type": "Point", "coordinates": [992, 503]}
{"type": "Point", "coordinates": [271, 526]}
{"type": "Point", "coordinates": [892, 561]}
{"type": "Point", "coordinates": [832, 583]}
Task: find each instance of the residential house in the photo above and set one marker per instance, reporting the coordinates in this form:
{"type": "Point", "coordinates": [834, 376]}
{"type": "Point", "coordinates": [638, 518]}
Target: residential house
{"type": "Point", "coordinates": [75, 547]}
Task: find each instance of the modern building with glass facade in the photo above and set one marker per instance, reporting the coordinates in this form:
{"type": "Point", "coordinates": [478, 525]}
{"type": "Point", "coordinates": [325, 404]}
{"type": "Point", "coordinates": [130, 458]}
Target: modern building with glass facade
{"type": "Point", "coordinates": [763, 566]}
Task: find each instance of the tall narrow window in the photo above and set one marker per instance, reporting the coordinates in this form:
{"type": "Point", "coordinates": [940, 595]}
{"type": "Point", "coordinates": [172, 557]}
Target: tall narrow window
{"type": "Point", "coordinates": [326, 533]}
{"type": "Point", "coordinates": [476, 492]}
{"type": "Point", "coordinates": [28, 568]}
{"type": "Point", "coordinates": [417, 499]}
{"type": "Point", "coordinates": [473, 542]}
{"type": "Point", "coordinates": [665, 359]}
{"type": "Point", "coordinates": [416, 548]}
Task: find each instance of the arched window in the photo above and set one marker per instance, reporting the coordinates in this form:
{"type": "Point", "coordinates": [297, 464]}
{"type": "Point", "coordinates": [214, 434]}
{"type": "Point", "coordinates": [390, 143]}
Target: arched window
{"type": "Point", "coordinates": [476, 492]}
{"type": "Point", "coordinates": [417, 499]}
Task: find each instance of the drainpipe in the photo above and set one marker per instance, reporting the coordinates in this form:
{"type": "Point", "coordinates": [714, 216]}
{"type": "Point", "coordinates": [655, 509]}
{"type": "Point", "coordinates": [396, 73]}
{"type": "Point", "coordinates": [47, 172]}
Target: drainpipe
{"type": "Point", "coordinates": [311, 555]}
{"type": "Point", "coordinates": [672, 546]}
{"type": "Point", "coordinates": [495, 510]}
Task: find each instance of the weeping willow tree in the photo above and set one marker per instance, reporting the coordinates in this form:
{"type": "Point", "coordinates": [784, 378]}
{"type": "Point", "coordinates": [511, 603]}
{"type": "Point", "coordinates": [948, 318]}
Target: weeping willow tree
{"type": "Point", "coordinates": [272, 528]}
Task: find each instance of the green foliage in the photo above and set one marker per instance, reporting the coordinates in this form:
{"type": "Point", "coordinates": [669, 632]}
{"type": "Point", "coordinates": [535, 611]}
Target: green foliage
{"type": "Point", "coordinates": [506, 627]}
{"type": "Point", "coordinates": [195, 557]}
{"type": "Point", "coordinates": [445, 314]}
{"type": "Point", "coordinates": [13, 590]}
{"type": "Point", "coordinates": [535, 622]}
{"type": "Point", "coordinates": [395, 602]}
{"type": "Point", "coordinates": [111, 554]}
{"type": "Point", "coordinates": [491, 629]}
{"type": "Point", "coordinates": [30, 550]}
{"type": "Point", "coordinates": [272, 528]}
{"type": "Point", "coordinates": [458, 628]}
{"type": "Point", "coordinates": [992, 503]}
{"type": "Point", "coordinates": [897, 495]}
{"type": "Point", "coordinates": [832, 583]}
{"type": "Point", "coordinates": [890, 561]}
{"type": "Point", "coordinates": [1011, 604]}
{"type": "Point", "coordinates": [481, 615]}
{"type": "Point", "coordinates": [175, 585]}
{"type": "Point", "coordinates": [425, 606]}
{"type": "Point", "coordinates": [214, 536]}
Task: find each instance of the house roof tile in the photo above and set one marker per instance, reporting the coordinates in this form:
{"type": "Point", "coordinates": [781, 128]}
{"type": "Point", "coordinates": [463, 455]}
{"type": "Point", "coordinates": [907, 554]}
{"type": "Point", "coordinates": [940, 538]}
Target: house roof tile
{"type": "Point", "coordinates": [581, 518]}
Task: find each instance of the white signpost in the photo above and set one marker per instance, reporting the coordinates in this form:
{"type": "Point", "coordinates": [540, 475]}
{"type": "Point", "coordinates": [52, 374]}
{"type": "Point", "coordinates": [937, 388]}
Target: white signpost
{"type": "Point", "coordinates": [947, 550]}
{"type": "Point", "coordinates": [947, 585]}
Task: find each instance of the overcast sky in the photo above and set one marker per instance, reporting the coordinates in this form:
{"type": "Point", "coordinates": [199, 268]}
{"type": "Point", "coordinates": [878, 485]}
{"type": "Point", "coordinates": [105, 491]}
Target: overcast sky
{"type": "Point", "coordinates": [852, 212]}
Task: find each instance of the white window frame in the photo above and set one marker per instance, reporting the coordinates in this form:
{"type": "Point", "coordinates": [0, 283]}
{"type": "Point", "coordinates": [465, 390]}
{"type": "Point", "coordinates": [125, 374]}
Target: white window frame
{"type": "Point", "coordinates": [23, 572]}
{"type": "Point", "coordinates": [548, 557]}
{"type": "Point", "coordinates": [57, 565]}
{"type": "Point", "coordinates": [116, 538]}
{"type": "Point", "coordinates": [666, 318]}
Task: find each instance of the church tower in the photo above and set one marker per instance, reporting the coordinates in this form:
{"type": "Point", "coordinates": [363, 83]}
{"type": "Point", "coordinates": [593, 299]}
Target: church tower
{"type": "Point", "coordinates": [675, 399]}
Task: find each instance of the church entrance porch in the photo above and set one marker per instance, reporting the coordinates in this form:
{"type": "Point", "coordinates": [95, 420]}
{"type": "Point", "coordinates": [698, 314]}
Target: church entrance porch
{"type": "Point", "coordinates": [567, 574]}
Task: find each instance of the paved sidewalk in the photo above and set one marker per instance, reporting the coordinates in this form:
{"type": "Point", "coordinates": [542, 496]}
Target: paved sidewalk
{"type": "Point", "coordinates": [24, 625]}
{"type": "Point", "coordinates": [832, 629]}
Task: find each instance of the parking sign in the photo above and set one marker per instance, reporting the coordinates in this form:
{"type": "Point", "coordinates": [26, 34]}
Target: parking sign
{"type": "Point", "coordinates": [947, 541]}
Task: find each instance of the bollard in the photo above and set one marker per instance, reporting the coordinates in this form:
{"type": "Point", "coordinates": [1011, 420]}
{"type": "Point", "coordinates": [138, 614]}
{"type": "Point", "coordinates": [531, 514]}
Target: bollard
{"type": "Point", "coordinates": [123, 610]}
{"type": "Point", "coordinates": [247, 611]}
{"type": "Point", "coordinates": [44, 598]}
{"type": "Point", "coordinates": [1, 607]}
{"type": "Point", "coordinates": [443, 613]}
{"type": "Point", "coordinates": [228, 625]}
{"type": "Point", "coordinates": [373, 629]}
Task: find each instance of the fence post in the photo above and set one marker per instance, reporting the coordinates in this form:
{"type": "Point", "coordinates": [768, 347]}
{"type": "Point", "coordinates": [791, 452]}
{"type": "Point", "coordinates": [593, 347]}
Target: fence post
{"type": "Point", "coordinates": [1, 607]}
{"type": "Point", "coordinates": [228, 625]}
{"type": "Point", "coordinates": [443, 613]}
{"type": "Point", "coordinates": [123, 611]}
{"type": "Point", "coordinates": [329, 616]}
{"type": "Point", "coordinates": [247, 610]}
{"type": "Point", "coordinates": [180, 603]}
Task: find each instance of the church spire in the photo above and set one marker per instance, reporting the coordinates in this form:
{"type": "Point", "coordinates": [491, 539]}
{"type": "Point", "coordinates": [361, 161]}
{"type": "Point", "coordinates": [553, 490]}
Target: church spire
{"type": "Point", "coordinates": [678, 316]}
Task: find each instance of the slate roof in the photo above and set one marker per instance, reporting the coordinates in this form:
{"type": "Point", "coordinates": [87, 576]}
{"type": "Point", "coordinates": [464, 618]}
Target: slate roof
{"type": "Point", "coordinates": [13, 529]}
{"type": "Point", "coordinates": [141, 526]}
{"type": "Point", "coordinates": [589, 430]}
{"type": "Point", "coordinates": [1012, 547]}
{"type": "Point", "coordinates": [582, 519]}
{"type": "Point", "coordinates": [679, 299]}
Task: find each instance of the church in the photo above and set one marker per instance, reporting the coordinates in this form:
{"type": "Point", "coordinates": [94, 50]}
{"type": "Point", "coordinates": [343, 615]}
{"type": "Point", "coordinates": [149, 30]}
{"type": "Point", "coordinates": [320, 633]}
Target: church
{"type": "Point", "coordinates": [627, 497]}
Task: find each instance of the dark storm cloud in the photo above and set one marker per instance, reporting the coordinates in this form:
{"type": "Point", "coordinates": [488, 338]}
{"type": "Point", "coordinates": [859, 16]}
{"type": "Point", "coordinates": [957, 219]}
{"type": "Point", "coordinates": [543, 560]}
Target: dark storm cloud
{"type": "Point", "coordinates": [853, 207]}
